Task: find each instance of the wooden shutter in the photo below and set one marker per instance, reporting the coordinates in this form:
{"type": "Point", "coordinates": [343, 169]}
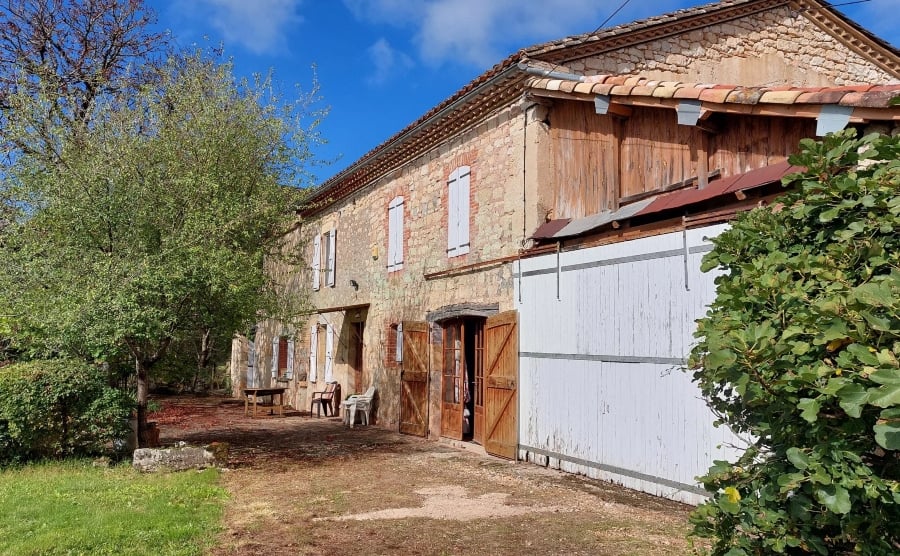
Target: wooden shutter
{"type": "Point", "coordinates": [290, 359]}
{"type": "Point", "coordinates": [395, 234]}
{"type": "Point", "coordinates": [501, 365]}
{"type": "Point", "coordinates": [414, 379]}
{"type": "Point", "coordinates": [313, 351]}
{"type": "Point", "coordinates": [275, 342]}
{"type": "Point", "coordinates": [316, 261]}
{"type": "Point", "coordinates": [331, 256]}
{"type": "Point", "coordinates": [329, 353]}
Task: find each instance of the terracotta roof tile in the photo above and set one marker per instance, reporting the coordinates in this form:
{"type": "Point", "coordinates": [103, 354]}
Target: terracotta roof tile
{"type": "Point", "coordinates": [583, 88]}
{"type": "Point", "coordinates": [553, 84]}
{"type": "Point", "coordinates": [779, 97]}
{"type": "Point", "coordinates": [870, 99]}
{"type": "Point", "coordinates": [623, 90]}
{"type": "Point", "coordinates": [866, 96]}
{"type": "Point", "coordinates": [643, 91]}
{"type": "Point", "coordinates": [687, 92]}
{"type": "Point", "coordinates": [744, 96]}
{"type": "Point", "coordinates": [603, 88]}
{"type": "Point", "coordinates": [664, 91]}
{"type": "Point", "coordinates": [715, 95]}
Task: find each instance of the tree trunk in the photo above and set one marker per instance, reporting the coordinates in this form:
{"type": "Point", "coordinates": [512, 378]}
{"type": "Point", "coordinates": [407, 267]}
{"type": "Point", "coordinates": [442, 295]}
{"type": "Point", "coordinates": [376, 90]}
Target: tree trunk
{"type": "Point", "coordinates": [143, 389]}
{"type": "Point", "coordinates": [202, 356]}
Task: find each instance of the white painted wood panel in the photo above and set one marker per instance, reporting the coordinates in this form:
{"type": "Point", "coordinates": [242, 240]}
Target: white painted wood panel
{"type": "Point", "coordinates": [602, 390]}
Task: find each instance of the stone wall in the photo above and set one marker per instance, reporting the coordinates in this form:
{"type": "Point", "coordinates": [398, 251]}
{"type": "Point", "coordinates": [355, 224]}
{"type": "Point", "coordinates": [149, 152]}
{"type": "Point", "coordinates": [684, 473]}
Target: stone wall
{"type": "Point", "coordinates": [494, 152]}
{"type": "Point", "coordinates": [777, 47]}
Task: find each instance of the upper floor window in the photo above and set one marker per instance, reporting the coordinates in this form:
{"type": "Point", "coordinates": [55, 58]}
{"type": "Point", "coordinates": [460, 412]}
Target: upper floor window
{"type": "Point", "coordinates": [324, 242]}
{"type": "Point", "coordinates": [458, 212]}
{"type": "Point", "coordinates": [395, 234]}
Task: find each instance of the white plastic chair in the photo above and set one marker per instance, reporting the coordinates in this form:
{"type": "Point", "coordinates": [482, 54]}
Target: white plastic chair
{"type": "Point", "coordinates": [358, 402]}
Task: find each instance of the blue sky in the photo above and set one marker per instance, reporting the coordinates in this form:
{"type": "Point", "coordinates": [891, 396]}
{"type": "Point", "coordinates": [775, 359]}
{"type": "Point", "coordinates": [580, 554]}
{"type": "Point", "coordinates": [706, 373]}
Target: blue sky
{"type": "Point", "coordinates": [381, 64]}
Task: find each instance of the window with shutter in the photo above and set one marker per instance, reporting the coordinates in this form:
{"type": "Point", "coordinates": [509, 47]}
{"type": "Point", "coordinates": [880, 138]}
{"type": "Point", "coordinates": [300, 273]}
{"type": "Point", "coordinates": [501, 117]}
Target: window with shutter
{"type": "Point", "coordinates": [316, 261]}
{"type": "Point", "coordinates": [395, 234]}
{"type": "Point", "coordinates": [313, 351]}
{"type": "Point", "coordinates": [329, 259]}
{"type": "Point", "coordinates": [458, 212]}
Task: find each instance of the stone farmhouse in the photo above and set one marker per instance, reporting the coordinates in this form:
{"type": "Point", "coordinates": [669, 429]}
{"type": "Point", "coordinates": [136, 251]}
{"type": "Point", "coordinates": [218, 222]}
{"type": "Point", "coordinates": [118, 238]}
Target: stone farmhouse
{"type": "Point", "coordinates": [519, 267]}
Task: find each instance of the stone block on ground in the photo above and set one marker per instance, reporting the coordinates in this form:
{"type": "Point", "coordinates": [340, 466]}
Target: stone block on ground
{"type": "Point", "coordinates": [180, 458]}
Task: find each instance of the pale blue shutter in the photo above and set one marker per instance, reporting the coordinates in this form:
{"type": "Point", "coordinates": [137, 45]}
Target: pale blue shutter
{"type": "Point", "coordinates": [316, 261]}
{"type": "Point", "coordinates": [313, 351]}
{"type": "Point", "coordinates": [395, 234]}
{"type": "Point", "coordinates": [452, 214]}
{"type": "Point", "coordinates": [463, 200]}
{"type": "Point", "coordinates": [329, 353]}
{"type": "Point", "coordinates": [275, 357]}
{"type": "Point", "coordinates": [290, 359]}
{"type": "Point", "coordinates": [331, 256]}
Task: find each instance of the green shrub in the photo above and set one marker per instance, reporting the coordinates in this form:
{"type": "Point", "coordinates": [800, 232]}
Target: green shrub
{"type": "Point", "coordinates": [58, 408]}
{"type": "Point", "coordinates": [800, 352]}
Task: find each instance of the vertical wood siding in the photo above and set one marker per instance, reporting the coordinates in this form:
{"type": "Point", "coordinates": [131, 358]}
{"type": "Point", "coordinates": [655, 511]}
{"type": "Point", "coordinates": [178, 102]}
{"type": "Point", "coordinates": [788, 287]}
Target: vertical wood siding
{"type": "Point", "coordinates": [602, 391]}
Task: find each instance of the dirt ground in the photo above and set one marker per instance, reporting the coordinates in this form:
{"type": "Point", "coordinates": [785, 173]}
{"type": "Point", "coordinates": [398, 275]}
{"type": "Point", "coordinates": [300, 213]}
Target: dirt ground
{"type": "Point", "coordinates": [306, 485]}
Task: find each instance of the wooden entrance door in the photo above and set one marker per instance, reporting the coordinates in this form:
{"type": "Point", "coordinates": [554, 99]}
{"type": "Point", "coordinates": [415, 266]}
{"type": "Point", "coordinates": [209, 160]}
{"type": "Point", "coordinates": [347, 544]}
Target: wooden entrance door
{"type": "Point", "coordinates": [453, 380]}
{"type": "Point", "coordinates": [414, 379]}
{"type": "Point", "coordinates": [501, 358]}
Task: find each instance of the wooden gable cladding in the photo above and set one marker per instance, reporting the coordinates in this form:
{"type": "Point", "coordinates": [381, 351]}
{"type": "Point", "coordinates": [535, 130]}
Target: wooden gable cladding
{"type": "Point", "coordinates": [617, 157]}
{"type": "Point", "coordinates": [601, 161]}
{"type": "Point", "coordinates": [578, 134]}
{"type": "Point", "coordinates": [657, 152]}
{"type": "Point", "coordinates": [746, 143]}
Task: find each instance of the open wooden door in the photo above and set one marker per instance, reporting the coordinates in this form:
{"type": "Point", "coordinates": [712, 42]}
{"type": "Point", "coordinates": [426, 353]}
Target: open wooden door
{"type": "Point", "coordinates": [453, 381]}
{"type": "Point", "coordinates": [414, 379]}
{"type": "Point", "coordinates": [501, 365]}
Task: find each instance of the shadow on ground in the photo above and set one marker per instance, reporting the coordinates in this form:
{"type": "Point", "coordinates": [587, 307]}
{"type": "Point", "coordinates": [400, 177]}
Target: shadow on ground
{"type": "Point", "coordinates": [296, 437]}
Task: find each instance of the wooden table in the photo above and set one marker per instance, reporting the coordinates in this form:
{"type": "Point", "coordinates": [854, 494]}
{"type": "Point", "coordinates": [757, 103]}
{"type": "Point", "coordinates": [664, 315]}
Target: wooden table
{"type": "Point", "coordinates": [257, 393]}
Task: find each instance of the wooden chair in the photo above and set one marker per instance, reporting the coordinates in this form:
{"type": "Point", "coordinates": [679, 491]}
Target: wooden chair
{"type": "Point", "coordinates": [323, 401]}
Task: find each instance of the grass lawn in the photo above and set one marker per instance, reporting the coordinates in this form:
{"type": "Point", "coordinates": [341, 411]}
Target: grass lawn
{"type": "Point", "coordinates": [74, 508]}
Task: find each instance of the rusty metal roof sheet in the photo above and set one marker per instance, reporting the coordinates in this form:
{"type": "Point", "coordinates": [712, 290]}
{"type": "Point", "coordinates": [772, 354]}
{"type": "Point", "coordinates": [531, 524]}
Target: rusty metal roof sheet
{"type": "Point", "coordinates": [718, 189]}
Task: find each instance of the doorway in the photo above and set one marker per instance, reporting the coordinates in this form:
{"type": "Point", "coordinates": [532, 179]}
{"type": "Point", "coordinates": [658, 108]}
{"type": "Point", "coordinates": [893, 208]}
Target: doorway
{"type": "Point", "coordinates": [356, 354]}
{"type": "Point", "coordinates": [462, 379]}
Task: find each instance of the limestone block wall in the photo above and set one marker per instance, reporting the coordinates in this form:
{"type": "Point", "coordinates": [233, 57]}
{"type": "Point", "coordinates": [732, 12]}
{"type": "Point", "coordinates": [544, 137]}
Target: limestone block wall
{"type": "Point", "coordinates": [776, 47]}
{"type": "Point", "coordinates": [494, 152]}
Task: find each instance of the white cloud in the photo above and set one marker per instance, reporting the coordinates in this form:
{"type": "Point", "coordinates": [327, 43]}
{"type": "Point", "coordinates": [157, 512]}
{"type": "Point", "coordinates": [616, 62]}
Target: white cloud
{"type": "Point", "coordinates": [386, 61]}
{"type": "Point", "coordinates": [481, 32]}
{"type": "Point", "coordinates": [260, 26]}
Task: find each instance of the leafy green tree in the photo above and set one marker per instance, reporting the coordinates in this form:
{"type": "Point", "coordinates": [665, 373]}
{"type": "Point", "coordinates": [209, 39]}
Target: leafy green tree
{"type": "Point", "coordinates": [799, 352]}
{"type": "Point", "coordinates": [154, 222]}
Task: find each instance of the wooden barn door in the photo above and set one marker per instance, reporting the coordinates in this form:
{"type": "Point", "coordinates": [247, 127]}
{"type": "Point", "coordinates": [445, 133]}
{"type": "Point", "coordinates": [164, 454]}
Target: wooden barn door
{"type": "Point", "coordinates": [501, 364]}
{"type": "Point", "coordinates": [414, 379]}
